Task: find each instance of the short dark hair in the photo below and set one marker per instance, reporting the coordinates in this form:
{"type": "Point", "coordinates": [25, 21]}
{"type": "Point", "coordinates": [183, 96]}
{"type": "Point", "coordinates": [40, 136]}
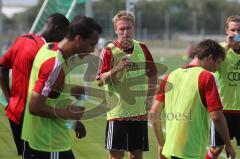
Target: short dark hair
{"type": "Point", "coordinates": [59, 20]}
{"type": "Point", "coordinates": [84, 26]}
{"type": "Point", "coordinates": [209, 47]}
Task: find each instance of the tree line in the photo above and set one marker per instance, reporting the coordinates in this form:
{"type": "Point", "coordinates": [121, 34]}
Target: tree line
{"type": "Point", "coordinates": [157, 18]}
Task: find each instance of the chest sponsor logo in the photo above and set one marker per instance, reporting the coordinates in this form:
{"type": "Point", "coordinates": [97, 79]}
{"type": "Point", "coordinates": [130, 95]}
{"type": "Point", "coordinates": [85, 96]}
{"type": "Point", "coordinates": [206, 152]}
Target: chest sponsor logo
{"type": "Point", "coordinates": [237, 66]}
{"type": "Point", "coordinates": [234, 76]}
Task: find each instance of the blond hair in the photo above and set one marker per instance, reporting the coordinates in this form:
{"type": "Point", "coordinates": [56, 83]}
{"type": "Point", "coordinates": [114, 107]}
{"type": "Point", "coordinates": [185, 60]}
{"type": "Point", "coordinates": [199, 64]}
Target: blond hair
{"type": "Point", "coordinates": [232, 18]}
{"type": "Point", "coordinates": [123, 15]}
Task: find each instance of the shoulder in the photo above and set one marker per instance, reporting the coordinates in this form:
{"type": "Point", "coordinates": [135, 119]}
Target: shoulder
{"type": "Point", "coordinates": [51, 67]}
{"type": "Point", "coordinates": [206, 80]}
{"type": "Point", "coordinates": [206, 75]}
{"type": "Point", "coordinates": [140, 43]}
{"type": "Point", "coordinates": [32, 40]}
{"type": "Point", "coordinates": [107, 51]}
{"type": "Point", "coordinates": [144, 47]}
{"type": "Point", "coordinates": [28, 37]}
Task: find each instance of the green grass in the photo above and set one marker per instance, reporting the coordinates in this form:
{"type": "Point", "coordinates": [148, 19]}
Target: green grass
{"type": "Point", "coordinates": [92, 146]}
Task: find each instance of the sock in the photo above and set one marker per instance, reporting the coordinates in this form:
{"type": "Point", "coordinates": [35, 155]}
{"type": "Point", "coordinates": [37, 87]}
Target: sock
{"type": "Point", "coordinates": [209, 155]}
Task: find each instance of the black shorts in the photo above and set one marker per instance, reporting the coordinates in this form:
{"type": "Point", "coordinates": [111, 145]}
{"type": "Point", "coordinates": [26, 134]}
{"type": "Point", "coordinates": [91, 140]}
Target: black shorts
{"type": "Point", "coordinates": [16, 132]}
{"type": "Point", "coordinates": [29, 153]}
{"type": "Point", "coordinates": [126, 135]}
{"type": "Point", "coordinates": [233, 122]}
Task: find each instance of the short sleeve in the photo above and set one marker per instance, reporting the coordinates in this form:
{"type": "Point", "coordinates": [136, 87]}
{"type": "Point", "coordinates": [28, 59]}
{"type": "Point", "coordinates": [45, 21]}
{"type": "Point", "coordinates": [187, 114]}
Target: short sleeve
{"type": "Point", "coordinates": [7, 59]}
{"type": "Point", "coordinates": [50, 78]}
{"type": "Point", "coordinates": [209, 92]}
{"type": "Point", "coordinates": [105, 63]}
{"type": "Point", "coordinates": [161, 92]}
{"type": "Point", "coordinates": [150, 65]}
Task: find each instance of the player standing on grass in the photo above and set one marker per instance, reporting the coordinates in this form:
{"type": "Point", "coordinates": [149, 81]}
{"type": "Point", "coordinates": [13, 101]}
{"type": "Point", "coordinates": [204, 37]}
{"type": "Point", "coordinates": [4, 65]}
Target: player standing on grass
{"type": "Point", "coordinates": [127, 128]}
{"type": "Point", "coordinates": [44, 130]}
{"type": "Point", "coordinates": [190, 95]}
{"type": "Point", "coordinates": [228, 77]}
{"type": "Point", "coordinates": [20, 58]}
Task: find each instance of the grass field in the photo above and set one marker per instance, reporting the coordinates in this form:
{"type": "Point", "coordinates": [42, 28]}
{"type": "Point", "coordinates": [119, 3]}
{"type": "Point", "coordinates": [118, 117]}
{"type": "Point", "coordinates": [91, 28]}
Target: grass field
{"type": "Point", "coordinates": [92, 146]}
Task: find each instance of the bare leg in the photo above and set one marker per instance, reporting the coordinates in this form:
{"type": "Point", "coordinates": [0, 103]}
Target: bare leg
{"type": "Point", "coordinates": [116, 154]}
{"type": "Point", "coordinates": [136, 154]}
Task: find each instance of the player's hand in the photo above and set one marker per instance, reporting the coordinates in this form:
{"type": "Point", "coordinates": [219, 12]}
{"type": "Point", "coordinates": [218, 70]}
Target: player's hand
{"type": "Point", "coordinates": [77, 90]}
{"type": "Point", "coordinates": [230, 151]}
{"type": "Point", "coordinates": [80, 129]}
{"type": "Point", "coordinates": [124, 63]}
{"type": "Point", "coordinates": [160, 156]}
{"type": "Point", "coordinates": [230, 42]}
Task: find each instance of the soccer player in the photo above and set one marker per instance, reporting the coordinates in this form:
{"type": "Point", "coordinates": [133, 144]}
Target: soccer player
{"type": "Point", "coordinates": [228, 78]}
{"type": "Point", "coordinates": [20, 58]}
{"type": "Point", "coordinates": [123, 64]}
{"type": "Point", "coordinates": [188, 95]}
{"type": "Point", "coordinates": [44, 128]}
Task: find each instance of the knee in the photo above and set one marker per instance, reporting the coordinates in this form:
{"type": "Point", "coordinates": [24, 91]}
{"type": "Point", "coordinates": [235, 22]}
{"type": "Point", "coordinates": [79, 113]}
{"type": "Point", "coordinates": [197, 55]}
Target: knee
{"type": "Point", "coordinates": [216, 150]}
{"type": "Point", "coordinates": [116, 154]}
{"type": "Point", "coordinates": [137, 154]}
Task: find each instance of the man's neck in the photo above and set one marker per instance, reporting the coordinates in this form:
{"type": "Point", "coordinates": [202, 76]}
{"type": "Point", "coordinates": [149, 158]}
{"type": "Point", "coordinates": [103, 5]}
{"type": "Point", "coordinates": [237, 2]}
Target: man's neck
{"type": "Point", "coordinates": [195, 61]}
{"type": "Point", "coordinates": [62, 46]}
{"type": "Point", "coordinates": [47, 38]}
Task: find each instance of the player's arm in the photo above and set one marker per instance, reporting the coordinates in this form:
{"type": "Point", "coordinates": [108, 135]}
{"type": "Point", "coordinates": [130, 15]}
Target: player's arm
{"type": "Point", "coordinates": [221, 127]}
{"type": "Point", "coordinates": [208, 90]}
{"type": "Point", "coordinates": [39, 107]}
{"type": "Point", "coordinates": [151, 72]}
{"type": "Point", "coordinates": [5, 65]}
{"type": "Point", "coordinates": [106, 76]}
{"type": "Point", "coordinates": [106, 71]}
{"type": "Point", "coordinates": [152, 85]}
{"type": "Point", "coordinates": [4, 82]}
{"type": "Point", "coordinates": [155, 111]}
{"type": "Point", "coordinates": [50, 83]}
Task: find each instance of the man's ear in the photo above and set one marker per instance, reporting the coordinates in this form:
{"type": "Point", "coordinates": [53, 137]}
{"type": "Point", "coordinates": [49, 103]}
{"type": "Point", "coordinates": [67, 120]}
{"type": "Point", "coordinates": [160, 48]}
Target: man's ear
{"type": "Point", "coordinates": [78, 38]}
{"type": "Point", "coordinates": [55, 27]}
{"type": "Point", "coordinates": [226, 30]}
{"type": "Point", "coordinates": [210, 58]}
{"type": "Point", "coordinates": [115, 29]}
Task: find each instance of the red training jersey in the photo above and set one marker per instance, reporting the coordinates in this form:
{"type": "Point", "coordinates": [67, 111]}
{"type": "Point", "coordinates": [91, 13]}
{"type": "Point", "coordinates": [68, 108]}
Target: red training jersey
{"type": "Point", "coordinates": [20, 58]}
